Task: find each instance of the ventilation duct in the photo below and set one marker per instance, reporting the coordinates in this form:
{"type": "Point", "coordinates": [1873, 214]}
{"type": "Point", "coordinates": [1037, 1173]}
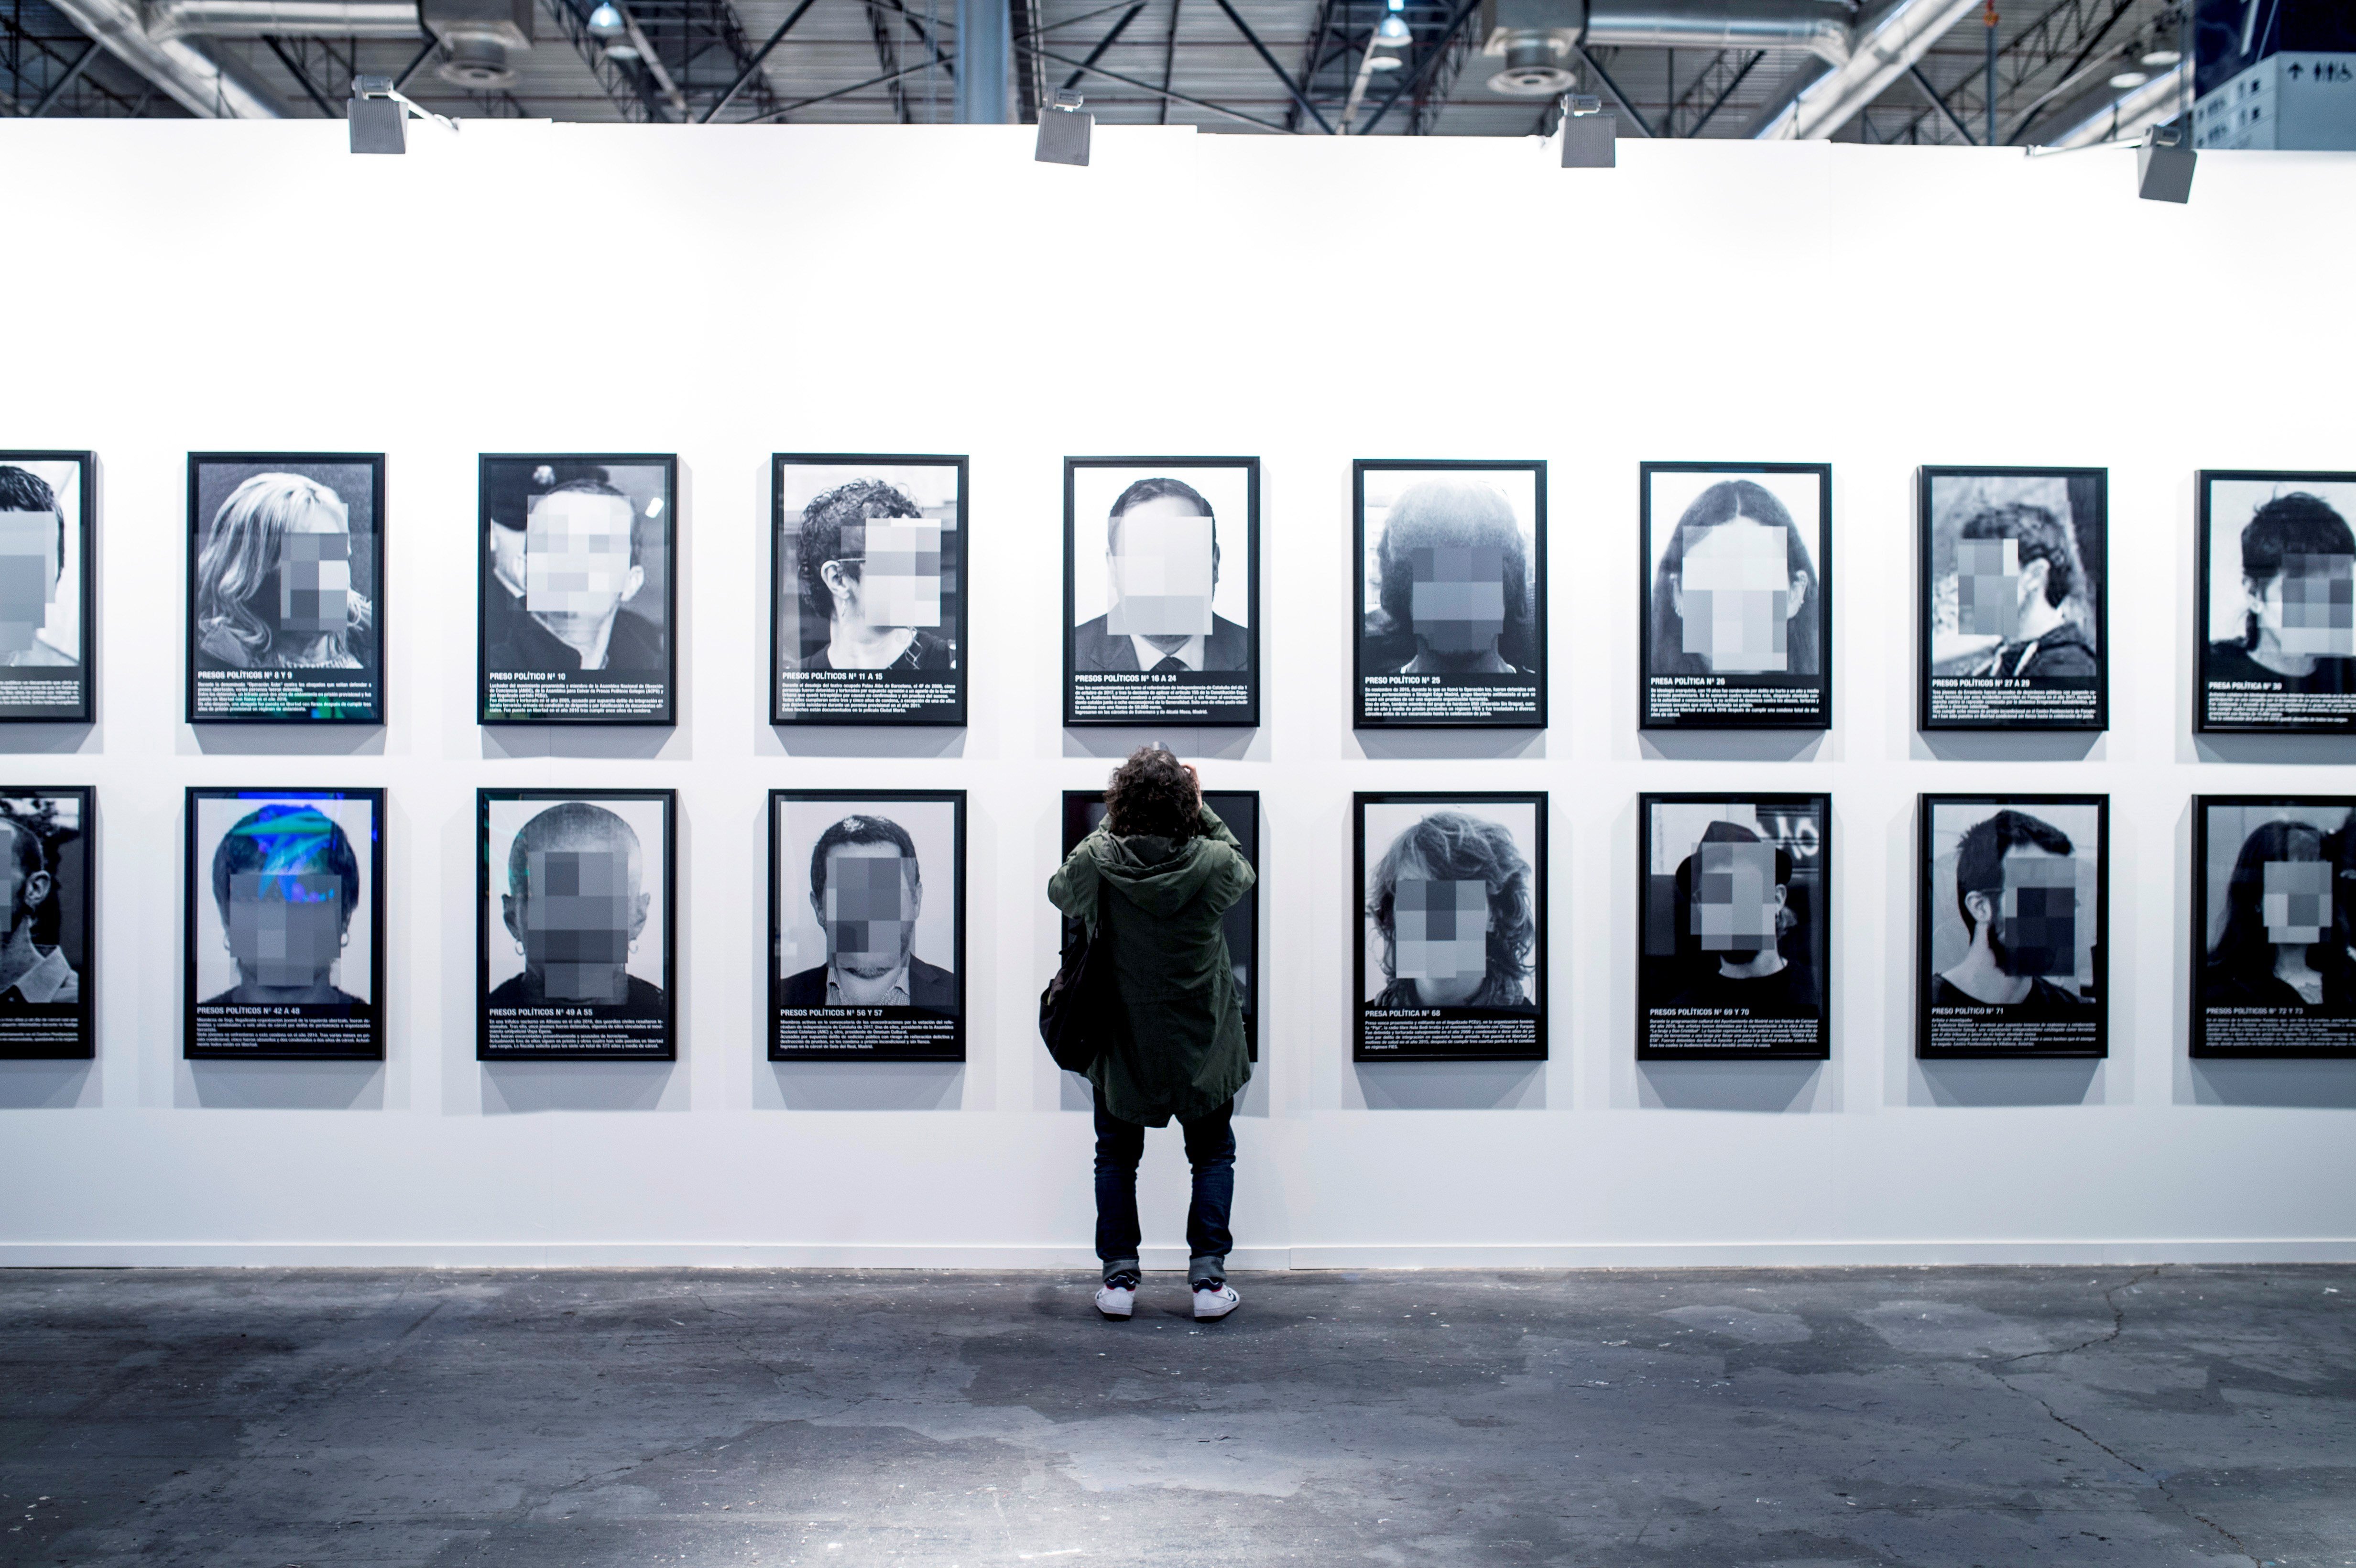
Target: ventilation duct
{"type": "Point", "coordinates": [1536, 38]}
{"type": "Point", "coordinates": [290, 18]}
{"type": "Point", "coordinates": [197, 82]}
{"type": "Point", "coordinates": [1901, 36]}
{"type": "Point", "coordinates": [477, 38]}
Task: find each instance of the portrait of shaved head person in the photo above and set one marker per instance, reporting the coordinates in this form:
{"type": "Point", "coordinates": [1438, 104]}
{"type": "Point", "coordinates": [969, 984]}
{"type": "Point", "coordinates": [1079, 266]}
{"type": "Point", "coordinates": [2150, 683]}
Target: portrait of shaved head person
{"type": "Point", "coordinates": [866, 891]}
{"type": "Point", "coordinates": [1454, 583]}
{"type": "Point", "coordinates": [579, 890]}
{"type": "Point", "coordinates": [34, 545]}
{"type": "Point", "coordinates": [582, 563]}
{"type": "Point", "coordinates": [1161, 563]}
{"type": "Point", "coordinates": [286, 882]}
{"type": "Point", "coordinates": [31, 975]}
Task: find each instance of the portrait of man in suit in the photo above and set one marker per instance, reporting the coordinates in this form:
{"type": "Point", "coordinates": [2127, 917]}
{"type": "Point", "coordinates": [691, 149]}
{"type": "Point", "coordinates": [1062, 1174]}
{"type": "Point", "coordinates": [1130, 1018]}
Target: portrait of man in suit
{"type": "Point", "coordinates": [1162, 566]}
{"type": "Point", "coordinates": [867, 890]}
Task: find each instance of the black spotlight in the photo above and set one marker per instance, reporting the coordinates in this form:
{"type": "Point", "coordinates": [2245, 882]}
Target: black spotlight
{"type": "Point", "coordinates": [1064, 132]}
{"type": "Point", "coordinates": [2163, 163]}
{"type": "Point", "coordinates": [380, 115]}
{"type": "Point", "coordinates": [1588, 133]}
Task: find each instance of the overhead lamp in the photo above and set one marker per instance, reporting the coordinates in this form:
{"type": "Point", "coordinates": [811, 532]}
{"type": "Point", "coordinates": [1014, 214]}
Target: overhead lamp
{"type": "Point", "coordinates": [2164, 162]}
{"type": "Point", "coordinates": [2157, 57]}
{"type": "Point", "coordinates": [606, 19]}
{"type": "Point", "coordinates": [2127, 78]}
{"type": "Point", "coordinates": [379, 115]}
{"type": "Point", "coordinates": [1589, 136]}
{"type": "Point", "coordinates": [1384, 62]}
{"type": "Point", "coordinates": [1391, 33]}
{"type": "Point", "coordinates": [1064, 132]}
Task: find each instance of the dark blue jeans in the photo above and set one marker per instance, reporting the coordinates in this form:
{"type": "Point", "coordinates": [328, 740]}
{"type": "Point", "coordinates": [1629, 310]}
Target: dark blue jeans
{"type": "Point", "coordinates": [1210, 1149]}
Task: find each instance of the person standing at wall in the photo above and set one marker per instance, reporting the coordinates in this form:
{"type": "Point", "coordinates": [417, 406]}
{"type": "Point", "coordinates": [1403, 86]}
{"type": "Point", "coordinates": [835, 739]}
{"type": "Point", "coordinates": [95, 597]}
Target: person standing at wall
{"type": "Point", "coordinates": [1151, 884]}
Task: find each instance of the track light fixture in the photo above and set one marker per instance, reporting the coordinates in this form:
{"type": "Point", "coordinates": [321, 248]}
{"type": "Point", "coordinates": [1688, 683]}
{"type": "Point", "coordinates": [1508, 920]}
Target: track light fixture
{"type": "Point", "coordinates": [1589, 136]}
{"type": "Point", "coordinates": [379, 114]}
{"type": "Point", "coordinates": [2163, 163]}
{"type": "Point", "coordinates": [1064, 132]}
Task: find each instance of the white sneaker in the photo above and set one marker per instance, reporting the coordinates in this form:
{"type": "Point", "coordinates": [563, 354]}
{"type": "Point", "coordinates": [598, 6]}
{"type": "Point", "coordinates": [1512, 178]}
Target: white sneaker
{"type": "Point", "coordinates": [1211, 1305]}
{"type": "Point", "coordinates": [1116, 1300]}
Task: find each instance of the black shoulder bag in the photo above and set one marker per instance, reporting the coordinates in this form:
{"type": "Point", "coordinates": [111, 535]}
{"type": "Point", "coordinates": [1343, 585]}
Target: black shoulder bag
{"type": "Point", "coordinates": [1078, 1011]}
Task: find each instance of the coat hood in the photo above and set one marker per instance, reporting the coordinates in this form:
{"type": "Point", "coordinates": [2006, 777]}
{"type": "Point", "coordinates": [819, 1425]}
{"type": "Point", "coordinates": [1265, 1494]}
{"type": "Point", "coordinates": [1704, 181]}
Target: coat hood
{"type": "Point", "coordinates": [1160, 876]}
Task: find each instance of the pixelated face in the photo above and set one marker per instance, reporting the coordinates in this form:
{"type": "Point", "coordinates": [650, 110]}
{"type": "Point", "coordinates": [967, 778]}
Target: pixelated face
{"type": "Point", "coordinates": [314, 581]}
{"type": "Point", "coordinates": [579, 914]}
{"type": "Point", "coordinates": [900, 571]}
{"type": "Point", "coordinates": [1987, 587]}
{"type": "Point", "coordinates": [870, 909]}
{"type": "Point", "coordinates": [2295, 900]}
{"type": "Point", "coordinates": [1734, 897]}
{"type": "Point", "coordinates": [1440, 930]}
{"type": "Point", "coordinates": [1735, 597]}
{"type": "Point", "coordinates": [577, 555]}
{"type": "Point", "coordinates": [1458, 597]}
{"type": "Point", "coordinates": [1162, 574]}
{"type": "Point", "coordinates": [285, 928]}
{"type": "Point", "coordinates": [2037, 919]}
{"type": "Point", "coordinates": [28, 576]}
{"type": "Point", "coordinates": [2312, 605]}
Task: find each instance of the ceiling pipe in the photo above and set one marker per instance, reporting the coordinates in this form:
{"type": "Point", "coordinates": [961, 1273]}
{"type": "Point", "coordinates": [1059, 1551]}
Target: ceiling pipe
{"type": "Point", "coordinates": [2135, 112]}
{"type": "Point", "coordinates": [1902, 37]}
{"type": "Point", "coordinates": [193, 78]}
{"type": "Point", "coordinates": [287, 19]}
{"type": "Point", "coordinates": [1819, 26]}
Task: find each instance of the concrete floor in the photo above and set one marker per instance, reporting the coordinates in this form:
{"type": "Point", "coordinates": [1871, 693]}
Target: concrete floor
{"type": "Point", "coordinates": [2088, 1417]}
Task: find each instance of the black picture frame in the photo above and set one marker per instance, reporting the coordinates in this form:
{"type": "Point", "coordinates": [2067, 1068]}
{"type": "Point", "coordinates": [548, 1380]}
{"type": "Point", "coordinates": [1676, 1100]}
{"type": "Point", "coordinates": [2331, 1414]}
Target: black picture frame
{"type": "Point", "coordinates": [265, 696]}
{"type": "Point", "coordinates": [919, 1036]}
{"type": "Point", "coordinates": [49, 1030]}
{"type": "Point", "coordinates": [1083, 809]}
{"type": "Point", "coordinates": [1490, 1033]}
{"type": "Point", "coordinates": [1667, 998]}
{"type": "Point", "coordinates": [637, 709]}
{"type": "Point", "coordinates": [532, 1024]}
{"type": "Point", "coordinates": [1104, 711]}
{"type": "Point", "coordinates": [32, 698]}
{"type": "Point", "coordinates": [215, 1029]}
{"type": "Point", "coordinates": [2065, 1043]}
{"type": "Point", "coordinates": [1980, 707]}
{"type": "Point", "coordinates": [879, 685]}
{"type": "Point", "coordinates": [2242, 700]}
{"type": "Point", "coordinates": [1500, 698]}
{"type": "Point", "coordinates": [2233, 1017]}
{"type": "Point", "coordinates": [1685, 699]}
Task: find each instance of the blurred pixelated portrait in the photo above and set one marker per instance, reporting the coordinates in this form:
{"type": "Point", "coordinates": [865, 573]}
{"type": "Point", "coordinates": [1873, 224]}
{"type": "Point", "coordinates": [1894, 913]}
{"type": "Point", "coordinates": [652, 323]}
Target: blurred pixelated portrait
{"type": "Point", "coordinates": [1239, 809]}
{"type": "Point", "coordinates": [2273, 938]}
{"type": "Point", "coordinates": [578, 575]}
{"type": "Point", "coordinates": [867, 925]}
{"type": "Point", "coordinates": [1161, 590]}
{"type": "Point", "coordinates": [1452, 594]}
{"type": "Point", "coordinates": [868, 615]}
{"type": "Point", "coordinates": [575, 933]}
{"type": "Point", "coordinates": [285, 587]}
{"type": "Point", "coordinates": [1737, 901]}
{"type": "Point", "coordinates": [48, 512]}
{"type": "Point", "coordinates": [1738, 596]}
{"type": "Point", "coordinates": [2015, 565]}
{"type": "Point", "coordinates": [2012, 926]}
{"type": "Point", "coordinates": [2275, 587]}
{"type": "Point", "coordinates": [45, 959]}
{"type": "Point", "coordinates": [1450, 960]}
{"type": "Point", "coordinates": [285, 923]}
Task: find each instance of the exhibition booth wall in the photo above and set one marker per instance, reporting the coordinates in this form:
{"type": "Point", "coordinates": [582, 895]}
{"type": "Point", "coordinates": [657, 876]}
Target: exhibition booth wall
{"type": "Point", "coordinates": [725, 293]}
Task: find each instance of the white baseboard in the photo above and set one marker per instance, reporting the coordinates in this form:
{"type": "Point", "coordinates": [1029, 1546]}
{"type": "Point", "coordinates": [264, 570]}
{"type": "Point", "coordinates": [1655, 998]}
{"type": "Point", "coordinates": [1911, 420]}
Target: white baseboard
{"type": "Point", "coordinates": [765, 1254]}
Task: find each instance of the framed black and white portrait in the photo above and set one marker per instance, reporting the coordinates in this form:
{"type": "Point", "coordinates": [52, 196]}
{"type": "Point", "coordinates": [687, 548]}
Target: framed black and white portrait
{"type": "Point", "coordinates": [45, 983]}
{"type": "Point", "coordinates": [2015, 574]}
{"type": "Point", "coordinates": [579, 588]}
{"type": "Point", "coordinates": [1161, 590]}
{"type": "Point", "coordinates": [2013, 926]}
{"type": "Point", "coordinates": [1450, 957]}
{"type": "Point", "coordinates": [49, 509]}
{"type": "Point", "coordinates": [284, 925]}
{"type": "Point", "coordinates": [1452, 594]}
{"type": "Point", "coordinates": [866, 925]}
{"type": "Point", "coordinates": [1737, 901]}
{"type": "Point", "coordinates": [1084, 811]}
{"type": "Point", "coordinates": [576, 924]}
{"type": "Point", "coordinates": [2275, 587]}
{"type": "Point", "coordinates": [285, 587]}
{"type": "Point", "coordinates": [2274, 930]}
{"type": "Point", "coordinates": [868, 612]}
{"type": "Point", "coordinates": [1738, 625]}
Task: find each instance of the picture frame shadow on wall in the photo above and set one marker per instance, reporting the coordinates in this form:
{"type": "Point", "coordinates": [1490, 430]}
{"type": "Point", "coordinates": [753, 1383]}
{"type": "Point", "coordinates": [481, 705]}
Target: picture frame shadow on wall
{"type": "Point", "coordinates": [2012, 923]}
{"type": "Point", "coordinates": [576, 924]}
{"type": "Point", "coordinates": [1736, 605]}
{"type": "Point", "coordinates": [1239, 809]}
{"type": "Point", "coordinates": [1166, 630]}
{"type": "Point", "coordinates": [284, 925]}
{"type": "Point", "coordinates": [2275, 593]}
{"type": "Point", "coordinates": [867, 955]}
{"type": "Point", "coordinates": [49, 597]}
{"type": "Point", "coordinates": [47, 957]}
{"type": "Point", "coordinates": [2274, 913]}
{"type": "Point", "coordinates": [2014, 628]}
{"type": "Point", "coordinates": [1452, 593]}
{"type": "Point", "coordinates": [869, 588]}
{"type": "Point", "coordinates": [577, 588]}
{"type": "Point", "coordinates": [1450, 960]}
{"type": "Point", "coordinates": [286, 617]}
{"type": "Point", "coordinates": [1735, 895]}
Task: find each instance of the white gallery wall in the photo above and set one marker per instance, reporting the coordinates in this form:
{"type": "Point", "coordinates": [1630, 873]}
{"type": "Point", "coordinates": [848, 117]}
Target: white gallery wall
{"type": "Point", "coordinates": [725, 293]}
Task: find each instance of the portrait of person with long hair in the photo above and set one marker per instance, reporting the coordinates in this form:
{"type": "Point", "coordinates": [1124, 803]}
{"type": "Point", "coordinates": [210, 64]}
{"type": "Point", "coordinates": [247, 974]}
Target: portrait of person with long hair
{"type": "Point", "coordinates": [1452, 952]}
{"type": "Point", "coordinates": [2274, 891]}
{"type": "Point", "coordinates": [1737, 624]}
{"type": "Point", "coordinates": [2279, 586]}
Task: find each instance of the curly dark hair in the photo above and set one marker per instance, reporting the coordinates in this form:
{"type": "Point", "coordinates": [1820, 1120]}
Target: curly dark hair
{"type": "Point", "coordinates": [852, 505]}
{"type": "Point", "coordinates": [1152, 794]}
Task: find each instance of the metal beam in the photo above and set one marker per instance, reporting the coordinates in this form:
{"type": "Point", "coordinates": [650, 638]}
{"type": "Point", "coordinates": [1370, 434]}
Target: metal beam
{"type": "Point", "coordinates": [1939, 104]}
{"type": "Point", "coordinates": [761, 54]}
{"type": "Point", "coordinates": [1282, 75]}
{"type": "Point", "coordinates": [1170, 59]}
{"type": "Point", "coordinates": [1903, 36]}
{"type": "Point", "coordinates": [202, 85]}
{"type": "Point", "coordinates": [1165, 92]}
{"type": "Point", "coordinates": [800, 104]}
{"type": "Point", "coordinates": [1618, 97]}
{"type": "Point", "coordinates": [1426, 59]}
{"type": "Point", "coordinates": [1098, 53]}
{"type": "Point", "coordinates": [628, 93]}
{"type": "Point", "coordinates": [302, 78]}
{"type": "Point", "coordinates": [56, 89]}
{"type": "Point", "coordinates": [986, 44]}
